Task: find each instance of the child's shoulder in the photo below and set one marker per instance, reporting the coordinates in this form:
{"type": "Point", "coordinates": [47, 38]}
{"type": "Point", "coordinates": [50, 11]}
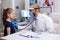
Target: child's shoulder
{"type": "Point", "coordinates": [7, 23]}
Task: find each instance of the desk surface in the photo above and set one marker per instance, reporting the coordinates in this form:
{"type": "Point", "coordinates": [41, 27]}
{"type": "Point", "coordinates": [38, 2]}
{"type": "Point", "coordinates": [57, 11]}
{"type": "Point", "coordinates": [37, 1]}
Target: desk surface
{"type": "Point", "coordinates": [42, 36]}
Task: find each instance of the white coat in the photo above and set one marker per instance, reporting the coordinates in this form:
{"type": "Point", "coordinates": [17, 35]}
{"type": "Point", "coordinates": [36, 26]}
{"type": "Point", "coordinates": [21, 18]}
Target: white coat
{"type": "Point", "coordinates": [43, 24]}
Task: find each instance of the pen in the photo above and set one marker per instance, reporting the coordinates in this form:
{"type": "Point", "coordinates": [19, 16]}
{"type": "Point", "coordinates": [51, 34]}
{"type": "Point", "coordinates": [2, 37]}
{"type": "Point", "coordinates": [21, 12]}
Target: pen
{"type": "Point", "coordinates": [29, 36]}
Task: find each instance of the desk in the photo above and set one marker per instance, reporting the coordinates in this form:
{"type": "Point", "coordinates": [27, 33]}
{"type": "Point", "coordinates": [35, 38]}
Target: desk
{"type": "Point", "coordinates": [43, 36]}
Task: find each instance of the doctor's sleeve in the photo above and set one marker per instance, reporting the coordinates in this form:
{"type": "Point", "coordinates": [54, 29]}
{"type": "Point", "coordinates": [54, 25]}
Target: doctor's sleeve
{"type": "Point", "coordinates": [50, 25]}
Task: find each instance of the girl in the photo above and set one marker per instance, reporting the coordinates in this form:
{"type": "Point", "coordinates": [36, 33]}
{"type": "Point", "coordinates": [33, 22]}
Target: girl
{"type": "Point", "coordinates": [7, 21]}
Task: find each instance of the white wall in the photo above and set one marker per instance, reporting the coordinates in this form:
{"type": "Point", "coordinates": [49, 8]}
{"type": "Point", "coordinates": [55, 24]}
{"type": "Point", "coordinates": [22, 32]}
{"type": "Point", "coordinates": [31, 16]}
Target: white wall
{"type": "Point", "coordinates": [7, 4]}
{"type": "Point", "coordinates": [57, 5]}
{"type": "Point", "coordinates": [21, 5]}
{"type": "Point", "coordinates": [26, 4]}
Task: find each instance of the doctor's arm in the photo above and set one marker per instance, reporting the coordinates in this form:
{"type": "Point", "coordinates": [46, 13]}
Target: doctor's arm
{"type": "Point", "coordinates": [50, 26]}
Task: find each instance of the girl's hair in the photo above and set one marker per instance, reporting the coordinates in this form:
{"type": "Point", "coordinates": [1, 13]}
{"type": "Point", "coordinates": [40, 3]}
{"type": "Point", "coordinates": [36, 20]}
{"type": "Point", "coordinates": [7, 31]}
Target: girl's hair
{"type": "Point", "coordinates": [5, 14]}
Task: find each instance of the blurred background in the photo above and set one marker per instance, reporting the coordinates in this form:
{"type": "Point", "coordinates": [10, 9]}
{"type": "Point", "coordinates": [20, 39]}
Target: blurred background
{"type": "Point", "coordinates": [50, 7]}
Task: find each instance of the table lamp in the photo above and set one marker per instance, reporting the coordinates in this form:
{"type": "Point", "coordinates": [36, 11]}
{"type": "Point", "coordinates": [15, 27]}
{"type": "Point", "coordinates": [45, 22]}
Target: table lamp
{"type": "Point", "coordinates": [27, 13]}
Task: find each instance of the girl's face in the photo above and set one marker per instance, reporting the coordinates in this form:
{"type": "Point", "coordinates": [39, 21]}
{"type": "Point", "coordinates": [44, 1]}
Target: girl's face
{"type": "Point", "coordinates": [11, 15]}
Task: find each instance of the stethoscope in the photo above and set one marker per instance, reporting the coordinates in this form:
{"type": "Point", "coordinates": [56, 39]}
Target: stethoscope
{"type": "Point", "coordinates": [34, 18]}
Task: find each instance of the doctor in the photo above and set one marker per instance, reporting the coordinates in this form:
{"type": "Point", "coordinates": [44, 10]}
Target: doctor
{"type": "Point", "coordinates": [43, 23]}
